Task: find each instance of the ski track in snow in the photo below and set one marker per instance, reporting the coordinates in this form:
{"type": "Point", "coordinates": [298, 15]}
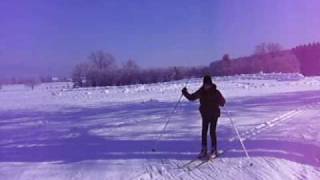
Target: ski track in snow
{"type": "Point", "coordinates": [107, 133]}
{"type": "Point", "coordinates": [275, 121]}
{"type": "Point", "coordinates": [202, 173]}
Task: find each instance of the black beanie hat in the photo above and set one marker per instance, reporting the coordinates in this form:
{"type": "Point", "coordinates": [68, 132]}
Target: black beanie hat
{"type": "Point", "coordinates": [207, 79]}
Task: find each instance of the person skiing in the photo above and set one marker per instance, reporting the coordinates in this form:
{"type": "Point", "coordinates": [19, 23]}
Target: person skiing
{"type": "Point", "coordinates": [210, 101]}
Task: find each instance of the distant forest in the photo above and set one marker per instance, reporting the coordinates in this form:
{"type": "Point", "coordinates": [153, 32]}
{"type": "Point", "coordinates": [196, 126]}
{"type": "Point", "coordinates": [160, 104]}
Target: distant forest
{"type": "Point", "coordinates": [102, 68]}
{"type": "Point", "coordinates": [270, 57]}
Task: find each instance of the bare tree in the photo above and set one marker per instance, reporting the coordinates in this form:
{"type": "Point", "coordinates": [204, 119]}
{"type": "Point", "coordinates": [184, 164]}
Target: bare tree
{"type": "Point", "coordinates": [102, 60]}
{"type": "Point", "coordinates": [79, 74]}
{"type": "Point", "coordinates": [102, 70]}
{"type": "Point", "coordinates": [130, 72]}
{"type": "Point", "coordinates": [226, 58]}
{"type": "Point", "coordinates": [274, 48]}
{"type": "Point", "coordinates": [261, 49]}
{"type": "Point", "coordinates": [265, 48]}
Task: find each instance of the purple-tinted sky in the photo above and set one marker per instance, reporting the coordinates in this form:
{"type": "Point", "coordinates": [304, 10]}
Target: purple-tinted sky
{"type": "Point", "coordinates": [50, 36]}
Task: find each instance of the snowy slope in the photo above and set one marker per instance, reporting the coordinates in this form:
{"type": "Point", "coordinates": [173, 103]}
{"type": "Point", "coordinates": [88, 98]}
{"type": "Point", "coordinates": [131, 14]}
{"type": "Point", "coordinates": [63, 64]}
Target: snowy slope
{"type": "Point", "coordinates": [55, 132]}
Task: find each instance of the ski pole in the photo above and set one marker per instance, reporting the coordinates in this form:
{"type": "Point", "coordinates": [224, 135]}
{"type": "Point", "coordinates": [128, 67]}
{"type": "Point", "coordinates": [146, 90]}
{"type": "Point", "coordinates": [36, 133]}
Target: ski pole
{"type": "Point", "coordinates": [168, 119]}
{"type": "Point", "coordinates": [239, 137]}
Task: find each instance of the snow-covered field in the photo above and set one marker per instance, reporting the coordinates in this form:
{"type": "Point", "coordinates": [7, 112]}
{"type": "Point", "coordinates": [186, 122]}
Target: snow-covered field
{"type": "Point", "coordinates": [55, 132]}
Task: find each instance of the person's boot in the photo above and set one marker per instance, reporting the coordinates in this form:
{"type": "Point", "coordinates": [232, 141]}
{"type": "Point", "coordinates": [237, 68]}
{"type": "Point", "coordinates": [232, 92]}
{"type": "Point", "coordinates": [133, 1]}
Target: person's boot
{"type": "Point", "coordinates": [203, 153]}
{"type": "Point", "coordinates": [213, 152]}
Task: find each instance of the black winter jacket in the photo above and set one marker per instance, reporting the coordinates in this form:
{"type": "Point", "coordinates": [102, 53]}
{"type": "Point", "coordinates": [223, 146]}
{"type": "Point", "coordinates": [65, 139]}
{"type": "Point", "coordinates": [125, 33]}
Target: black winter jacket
{"type": "Point", "coordinates": [210, 100]}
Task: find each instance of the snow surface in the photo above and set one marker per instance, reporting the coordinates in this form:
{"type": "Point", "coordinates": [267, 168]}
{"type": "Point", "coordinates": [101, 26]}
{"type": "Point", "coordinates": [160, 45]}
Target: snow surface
{"type": "Point", "coordinates": [55, 132]}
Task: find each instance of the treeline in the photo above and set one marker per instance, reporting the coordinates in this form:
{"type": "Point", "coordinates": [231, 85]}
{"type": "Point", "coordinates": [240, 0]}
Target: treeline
{"type": "Point", "coordinates": [267, 58]}
{"type": "Point", "coordinates": [309, 58]}
{"type": "Point", "coordinates": [102, 69]}
{"type": "Point", "coordinates": [270, 57]}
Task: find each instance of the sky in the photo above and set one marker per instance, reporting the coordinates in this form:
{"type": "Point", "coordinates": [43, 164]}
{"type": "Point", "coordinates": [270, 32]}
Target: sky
{"type": "Point", "coordinates": [48, 37]}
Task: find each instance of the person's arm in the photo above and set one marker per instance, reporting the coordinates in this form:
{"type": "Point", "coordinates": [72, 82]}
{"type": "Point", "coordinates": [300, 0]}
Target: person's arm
{"type": "Point", "coordinates": [222, 100]}
{"type": "Point", "coordinates": [193, 96]}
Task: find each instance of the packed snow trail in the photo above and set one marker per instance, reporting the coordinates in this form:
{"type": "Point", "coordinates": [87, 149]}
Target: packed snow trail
{"type": "Point", "coordinates": [108, 132]}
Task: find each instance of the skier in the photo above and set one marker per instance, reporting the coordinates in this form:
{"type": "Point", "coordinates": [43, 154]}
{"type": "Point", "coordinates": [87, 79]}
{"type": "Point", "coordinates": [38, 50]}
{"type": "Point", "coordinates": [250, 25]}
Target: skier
{"type": "Point", "coordinates": [210, 100]}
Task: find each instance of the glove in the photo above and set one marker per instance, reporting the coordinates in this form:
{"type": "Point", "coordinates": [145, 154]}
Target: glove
{"type": "Point", "coordinates": [184, 90]}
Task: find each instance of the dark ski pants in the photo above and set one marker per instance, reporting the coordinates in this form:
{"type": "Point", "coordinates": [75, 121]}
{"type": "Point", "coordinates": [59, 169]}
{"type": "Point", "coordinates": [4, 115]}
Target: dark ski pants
{"type": "Point", "coordinates": [209, 121]}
